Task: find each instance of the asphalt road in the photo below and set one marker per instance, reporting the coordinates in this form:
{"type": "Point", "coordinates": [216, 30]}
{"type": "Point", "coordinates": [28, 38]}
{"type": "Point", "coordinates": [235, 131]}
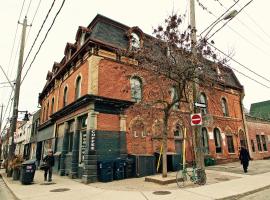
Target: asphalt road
{"type": "Point", "coordinates": [262, 195]}
{"type": "Point", "coordinates": [4, 191]}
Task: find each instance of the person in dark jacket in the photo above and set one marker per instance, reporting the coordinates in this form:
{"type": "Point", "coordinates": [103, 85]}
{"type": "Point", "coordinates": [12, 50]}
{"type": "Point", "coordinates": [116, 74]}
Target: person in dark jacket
{"type": "Point", "coordinates": [245, 158]}
{"type": "Point", "coordinates": [49, 160]}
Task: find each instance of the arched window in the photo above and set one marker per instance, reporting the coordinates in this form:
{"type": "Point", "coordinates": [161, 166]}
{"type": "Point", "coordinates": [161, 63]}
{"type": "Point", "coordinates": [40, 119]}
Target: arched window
{"type": "Point", "coordinates": [48, 108]}
{"type": "Point", "coordinates": [203, 100]}
{"type": "Point", "coordinates": [135, 41]}
{"type": "Point", "coordinates": [224, 107]}
{"type": "Point", "coordinates": [52, 106]}
{"type": "Point", "coordinates": [218, 140]}
{"type": "Point", "coordinates": [136, 89]}
{"type": "Point", "coordinates": [178, 131]}
{"type": "Point", "coordinates": [174, 97]}
{"type": "Point", "coordinates": [78, 88]}
{"type": "Point", "coordinates": [65, 96]}
{"type": "Point", "coordinates": [205, 142]}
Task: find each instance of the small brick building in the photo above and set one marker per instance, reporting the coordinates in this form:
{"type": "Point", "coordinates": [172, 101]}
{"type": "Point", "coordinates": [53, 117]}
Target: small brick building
{"type": "Point", "coordinates": [91, 108]}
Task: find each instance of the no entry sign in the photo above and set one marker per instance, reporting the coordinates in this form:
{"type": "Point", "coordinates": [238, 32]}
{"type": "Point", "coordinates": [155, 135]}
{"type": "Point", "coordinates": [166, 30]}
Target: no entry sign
{"type": "Point", "coordinates": [196, 119]}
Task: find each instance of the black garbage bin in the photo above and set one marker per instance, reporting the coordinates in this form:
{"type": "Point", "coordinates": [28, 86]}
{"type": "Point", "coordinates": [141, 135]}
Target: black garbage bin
{"type": "Point", "coordinates": [105, 171]}
{"type": "Point", "coordinates": [28, 169]}
{"type": "Point", "coordinates": [130, 170]}
{"type": "Point", "coordinates": [119, 169]}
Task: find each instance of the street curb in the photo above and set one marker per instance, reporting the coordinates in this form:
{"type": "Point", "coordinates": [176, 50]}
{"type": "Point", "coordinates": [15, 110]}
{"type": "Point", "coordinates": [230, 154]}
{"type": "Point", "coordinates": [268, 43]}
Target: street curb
{"type": "Point", "coordinates": [238, 196]}
{"type": "Point", "coordinates": [7, 184]}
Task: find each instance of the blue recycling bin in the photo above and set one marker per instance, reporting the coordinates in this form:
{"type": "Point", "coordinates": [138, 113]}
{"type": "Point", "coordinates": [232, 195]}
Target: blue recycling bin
{"type": "Point", "coordinates": [105, 171]}
{"type": "Point", "coordinates": [119, 169]}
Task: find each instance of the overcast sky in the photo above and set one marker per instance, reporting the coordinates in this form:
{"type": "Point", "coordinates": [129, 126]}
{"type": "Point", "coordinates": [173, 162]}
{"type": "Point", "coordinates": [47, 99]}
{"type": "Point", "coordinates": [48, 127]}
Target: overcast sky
{"type": "Point", "coordinates": [247, 36]}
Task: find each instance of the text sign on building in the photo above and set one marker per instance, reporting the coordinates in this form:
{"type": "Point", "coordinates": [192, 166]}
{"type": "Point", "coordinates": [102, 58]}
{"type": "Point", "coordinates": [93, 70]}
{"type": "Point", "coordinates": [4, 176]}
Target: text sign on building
{"type": "Point", "coordinates": [92, 140]}
{"type": "Point", "coordinates": [196, 119]}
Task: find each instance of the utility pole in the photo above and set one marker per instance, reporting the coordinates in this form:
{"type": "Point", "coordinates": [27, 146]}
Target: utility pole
{"type": "Point", "coordinates": [199, 153]}
{"type": "Point", "coordinates": [17, 93]}
{"type": "Point", "coordinates": [1, 121]}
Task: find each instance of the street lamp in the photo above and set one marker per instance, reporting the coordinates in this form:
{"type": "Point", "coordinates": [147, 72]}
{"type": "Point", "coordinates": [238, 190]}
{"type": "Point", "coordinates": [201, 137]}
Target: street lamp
{"type": "Point", "coordinates": [228, 17]}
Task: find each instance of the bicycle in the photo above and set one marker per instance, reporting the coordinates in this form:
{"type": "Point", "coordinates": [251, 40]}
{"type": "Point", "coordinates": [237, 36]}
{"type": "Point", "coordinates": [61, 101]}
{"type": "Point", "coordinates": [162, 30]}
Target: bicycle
{"type": "Point", "coordinates": [185, 176]}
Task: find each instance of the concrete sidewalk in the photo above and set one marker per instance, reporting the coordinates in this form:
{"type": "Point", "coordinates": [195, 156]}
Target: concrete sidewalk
{"type": "Point", "coordinates": [75, 190]}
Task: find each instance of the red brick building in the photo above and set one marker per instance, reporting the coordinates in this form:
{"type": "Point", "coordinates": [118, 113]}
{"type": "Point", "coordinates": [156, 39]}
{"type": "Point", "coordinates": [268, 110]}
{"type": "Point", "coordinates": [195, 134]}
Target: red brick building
{"type": "Point", "coordinates": [259, 136]}
{"type": "Point", "coordinates": [91, 108]}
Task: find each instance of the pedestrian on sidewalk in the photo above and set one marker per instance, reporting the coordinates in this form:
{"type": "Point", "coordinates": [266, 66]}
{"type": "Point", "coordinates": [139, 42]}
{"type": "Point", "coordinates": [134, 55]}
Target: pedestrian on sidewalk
{"type": "Point", "coordinates": [244, 158]}
{"type": "Point", "coordinates": [49, 160]}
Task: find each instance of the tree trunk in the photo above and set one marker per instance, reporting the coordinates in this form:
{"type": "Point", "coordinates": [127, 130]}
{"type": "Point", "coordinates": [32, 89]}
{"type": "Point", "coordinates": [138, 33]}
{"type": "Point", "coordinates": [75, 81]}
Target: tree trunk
{"type": "Point", "coordinates": [164, 143]}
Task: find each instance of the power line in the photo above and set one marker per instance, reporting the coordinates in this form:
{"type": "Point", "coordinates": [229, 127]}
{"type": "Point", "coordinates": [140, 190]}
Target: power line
{"type": "Point", "coordinates": [242, 66]}
{"type": "Point", "coordinates": [11, 53]}
{"type": "Point", "coordinates": [44, 21]}
{"type": "Point", "coordinates": [43, 40]}
{"type": "Point", "coordinates": [28, 7]}
{"type": "Point", "coordinates": [258, 35]}
{"type": "Point", "coordinates": [230, 19]}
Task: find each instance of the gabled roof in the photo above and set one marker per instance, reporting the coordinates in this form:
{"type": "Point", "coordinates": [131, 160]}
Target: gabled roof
{"type": "Point", "coordinates": [261, 109]}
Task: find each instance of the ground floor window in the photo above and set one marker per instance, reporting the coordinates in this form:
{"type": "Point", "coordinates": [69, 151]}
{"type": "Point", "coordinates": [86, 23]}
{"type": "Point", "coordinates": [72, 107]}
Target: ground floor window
{"type": "Point", "coordinates": [82, 145]}
{"type": "Point", "coordinates": [205, 140]}
{"type": "Point", "coordinates": [218, 140]}
{"type": "Point", "coordinates": [259, 143]}
{"type": "Point", "coordinates": [264, 143]}
{"type": "Point", "coordinates": [230, 143]}
{"type": "Point", "coordinates": [253, 145]}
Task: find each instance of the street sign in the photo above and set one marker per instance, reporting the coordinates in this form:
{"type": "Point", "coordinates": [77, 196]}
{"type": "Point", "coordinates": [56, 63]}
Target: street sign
{"type": "Point", "coordinates": [196, 119]}
{"type": "Point", "coordinates": [200, 105]}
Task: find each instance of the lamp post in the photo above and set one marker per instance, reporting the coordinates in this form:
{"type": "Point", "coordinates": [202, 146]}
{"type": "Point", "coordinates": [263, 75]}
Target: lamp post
{"type": "Point", "coordinates": [197, 139]}
{"type": "Point", "coordinates": [229, 17]}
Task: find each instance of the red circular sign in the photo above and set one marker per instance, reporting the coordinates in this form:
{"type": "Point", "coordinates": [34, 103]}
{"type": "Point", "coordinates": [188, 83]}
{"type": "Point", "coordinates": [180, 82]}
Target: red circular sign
{"type": "Point", "coordinates": [196, 119]}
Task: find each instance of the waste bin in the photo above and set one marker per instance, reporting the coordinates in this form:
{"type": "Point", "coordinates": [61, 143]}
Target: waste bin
{"type": "Point", "coordinates": [28, 169]}
{"type": "Point", "coordinates": [105, 171]}
{"type": "Point", "coordinates": [119, 169]}
{"type": "Point", "coordinates": [130, 170]}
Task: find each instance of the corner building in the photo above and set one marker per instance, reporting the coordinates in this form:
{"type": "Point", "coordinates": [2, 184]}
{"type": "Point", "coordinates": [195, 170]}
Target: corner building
{"type": "Point", "coordinates": [91, 108]}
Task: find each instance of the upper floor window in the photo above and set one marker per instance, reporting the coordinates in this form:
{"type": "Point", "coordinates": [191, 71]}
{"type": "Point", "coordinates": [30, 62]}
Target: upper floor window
{"type": "Point", "coordinates": [135, 41]}
{"type": "Point", "coordinates": [203, 101]}
{"type": "Point", "coordinates": [218, 140]}
{"type": "Point", "coordinates": [52, 106]}
{"type": "Point", "coordinates": [224, 106]}
{"type": "Point", "coordinates": [82, 39]}
{"type": "Point", "coordinates": [136, 89]}
{"type": "Point", "coordinates": [65, 96]}
{"type": "Point", "coordinates": [78, 88]}
{"type": "Point", "coordinates": [138, 128]}
{"type": "Point", "coordinates": [175, 97]}
{"type": "Point", "coordinates": [48, 108]}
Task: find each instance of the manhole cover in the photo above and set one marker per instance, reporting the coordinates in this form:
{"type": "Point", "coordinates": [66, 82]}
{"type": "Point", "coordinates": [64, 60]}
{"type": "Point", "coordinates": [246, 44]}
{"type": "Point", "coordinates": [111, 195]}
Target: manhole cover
{"type": "Point", "coordinates": [161, 192]}
{"type": "Point", "coordinates": [60, 190]}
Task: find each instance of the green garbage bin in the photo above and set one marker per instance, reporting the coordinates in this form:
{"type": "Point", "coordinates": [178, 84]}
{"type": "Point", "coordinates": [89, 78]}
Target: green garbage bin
{"type": "Point", "coordinates": [28, 169]}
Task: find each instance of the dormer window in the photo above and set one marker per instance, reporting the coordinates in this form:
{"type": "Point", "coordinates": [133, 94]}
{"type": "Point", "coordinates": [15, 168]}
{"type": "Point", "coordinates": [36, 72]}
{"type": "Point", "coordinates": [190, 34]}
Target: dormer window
{"type": "Point", "coordinates": [135, 41]}
{"type": "Point", "coordinates": [82, 39]}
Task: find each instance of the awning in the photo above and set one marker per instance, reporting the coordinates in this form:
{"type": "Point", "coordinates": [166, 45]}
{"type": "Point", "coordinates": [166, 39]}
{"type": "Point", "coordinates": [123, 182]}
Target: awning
{"type": "Point", "coordinates": [45, 133]}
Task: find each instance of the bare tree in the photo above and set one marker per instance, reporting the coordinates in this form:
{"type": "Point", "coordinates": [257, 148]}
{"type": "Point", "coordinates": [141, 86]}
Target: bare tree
{"type": "Point", "coordinates": [173, 68]}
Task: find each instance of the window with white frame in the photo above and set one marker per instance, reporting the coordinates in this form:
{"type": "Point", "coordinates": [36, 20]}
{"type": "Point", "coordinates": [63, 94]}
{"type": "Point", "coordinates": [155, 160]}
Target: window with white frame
{"type": "Point", "coordinates": [205, 142]}
{"type": "Point", "coordinates": [203, 100]}
{"type": "Point", "coordinates": [78, 88]}
{"type": "Point", "coordinates": [224, 106]}
{"type": "Point", "coordinates": [174, 97]}
{"type": "Point", "coordinates": [136, 89]}
{"type": "Point", "coordinates": [218, 140]}
{"type": "Point", "coordinates": [135, 41]}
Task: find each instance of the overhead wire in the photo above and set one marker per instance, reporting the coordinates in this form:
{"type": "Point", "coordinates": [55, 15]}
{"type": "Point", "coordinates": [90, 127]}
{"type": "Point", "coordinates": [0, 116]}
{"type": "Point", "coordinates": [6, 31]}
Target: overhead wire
{"type": "Point", "coordinates": [59, 10]}
{"type": "Point", "coordinates": [28, 7]}
{"type": "Point", "coordinates": [242, 66]}
{"type": "Point", "coordinates": [40, 29]}
{"type": "Point", "coordinates": [15, 36]}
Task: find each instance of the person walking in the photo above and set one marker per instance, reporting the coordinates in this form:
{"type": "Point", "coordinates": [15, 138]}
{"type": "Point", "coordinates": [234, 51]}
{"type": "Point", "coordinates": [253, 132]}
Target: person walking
{"type": "Point", "coordinates": [244, 158]}
{"type": "Point", "coordinates": [49, 160]}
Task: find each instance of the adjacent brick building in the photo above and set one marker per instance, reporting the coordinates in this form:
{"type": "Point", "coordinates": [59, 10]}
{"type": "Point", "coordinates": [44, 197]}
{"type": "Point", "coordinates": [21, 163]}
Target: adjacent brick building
{"type": "Point", "coordinates": [91, 108]}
